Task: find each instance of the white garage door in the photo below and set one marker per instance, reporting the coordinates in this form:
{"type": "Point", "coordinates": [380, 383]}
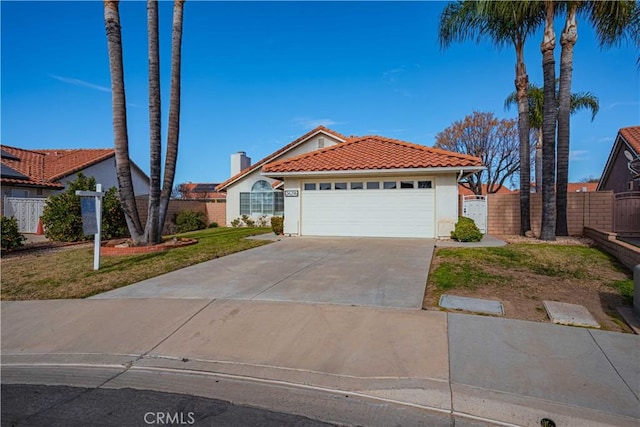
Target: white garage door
{"type": "Point", "coordinates": [391, 212]}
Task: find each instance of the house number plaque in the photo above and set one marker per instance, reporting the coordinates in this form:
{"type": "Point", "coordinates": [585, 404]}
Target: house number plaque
{"type": "Point", "coordinates": [290, 193]}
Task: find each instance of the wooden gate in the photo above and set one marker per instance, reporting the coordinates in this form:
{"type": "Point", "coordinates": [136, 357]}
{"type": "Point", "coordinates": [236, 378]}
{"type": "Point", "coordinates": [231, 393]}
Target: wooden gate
{"type": "Point", "coordinates": [626, 213]}
{"type": "Point", "coordinates": [27, 211]}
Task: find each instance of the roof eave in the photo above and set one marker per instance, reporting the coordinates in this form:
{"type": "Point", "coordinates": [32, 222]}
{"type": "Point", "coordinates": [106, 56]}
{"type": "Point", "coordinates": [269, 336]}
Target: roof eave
{"type": "Point", "coordinates": [363, 172]}
{"type": "Point", "coordinates": [609, 164]}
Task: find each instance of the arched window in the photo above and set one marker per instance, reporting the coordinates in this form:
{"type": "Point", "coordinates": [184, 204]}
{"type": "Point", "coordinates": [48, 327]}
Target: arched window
{"type": "Point", "coordinates": [262, 200]}
{"type": "Point", "coordinates": [261, 186]}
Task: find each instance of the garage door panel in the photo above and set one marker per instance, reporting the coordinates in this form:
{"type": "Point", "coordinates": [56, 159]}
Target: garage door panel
{"type": "Point", "coordinates": [376, 213]}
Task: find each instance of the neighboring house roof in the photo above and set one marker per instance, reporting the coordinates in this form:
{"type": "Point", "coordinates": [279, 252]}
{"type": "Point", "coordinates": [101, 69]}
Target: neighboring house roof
{"type": "Point", "coordinates": [44, 168]}
{"type": "Point", "coordinates": [630, 136]}
{"type": "Point", "coordinates": [201, 191]}
{"type": "Point", "coordinates": [61, 163]}
{"type": "Point", "coordinates": [577, 187]}
{"type": "Point", "coordinates": [280, 152]}
{"type": "Point", "coordinates": [372, 153]}
{"type": "Point", "coordinates": [25, 167]}
{"type": "Point", "coordinates": [466, 192]}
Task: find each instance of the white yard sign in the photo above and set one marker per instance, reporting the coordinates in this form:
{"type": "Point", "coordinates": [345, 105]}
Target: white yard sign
{"type": "Point", "coordinates": [92, 218]}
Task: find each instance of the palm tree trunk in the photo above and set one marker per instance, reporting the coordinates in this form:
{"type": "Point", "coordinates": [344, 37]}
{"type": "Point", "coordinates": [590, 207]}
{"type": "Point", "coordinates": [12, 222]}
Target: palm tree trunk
{"type": "Point", "coordinates": [522, 85]}
{"type": "Point", "coordinates": [153, 231]}
{"type": "Point", "coordinates": [539, 161]}
{"type": "Point", "coordinates": [174, 110]}
{"type": "Point", "coordinates": [119, 111]}
{"type": "Point", "coordinates": [567, 40]}
{"type": "Point", "coordinates": [548, 228]}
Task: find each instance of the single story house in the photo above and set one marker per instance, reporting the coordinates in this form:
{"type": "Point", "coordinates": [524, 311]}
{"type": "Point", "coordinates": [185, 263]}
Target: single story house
{"type": "Point", "coordinates": [622, 171]}
{"type": "Point", "coordinates": [41, 173]}
{"type": "Point", "coordinates": [327, 184]}
{"type": "Point", "coordinates": [30, 176]}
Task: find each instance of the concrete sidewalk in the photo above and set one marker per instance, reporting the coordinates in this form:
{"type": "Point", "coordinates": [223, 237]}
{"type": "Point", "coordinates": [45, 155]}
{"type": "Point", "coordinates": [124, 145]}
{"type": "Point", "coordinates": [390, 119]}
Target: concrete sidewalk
{"type": "Point", "coordinates": [473, 369]}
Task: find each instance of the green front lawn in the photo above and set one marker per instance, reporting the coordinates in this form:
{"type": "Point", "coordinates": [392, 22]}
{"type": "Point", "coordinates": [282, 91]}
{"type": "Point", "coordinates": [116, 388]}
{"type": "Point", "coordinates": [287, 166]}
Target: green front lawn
{"type": "Point", "coordinates": [522, 275]}
{"type": "Point", "coordinates": [70, 274]}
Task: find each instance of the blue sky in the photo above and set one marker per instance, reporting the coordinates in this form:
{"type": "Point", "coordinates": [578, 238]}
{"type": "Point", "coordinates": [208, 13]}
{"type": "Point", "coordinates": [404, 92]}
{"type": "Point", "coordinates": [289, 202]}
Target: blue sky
{"type": "Point", "coordinates": [257, 75]}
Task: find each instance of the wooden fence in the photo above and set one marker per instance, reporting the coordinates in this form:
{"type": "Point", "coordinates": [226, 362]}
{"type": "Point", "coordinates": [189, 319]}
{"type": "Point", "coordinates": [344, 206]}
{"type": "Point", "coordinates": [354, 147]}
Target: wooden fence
{"type": "Point", "coordinates": [626, 208]}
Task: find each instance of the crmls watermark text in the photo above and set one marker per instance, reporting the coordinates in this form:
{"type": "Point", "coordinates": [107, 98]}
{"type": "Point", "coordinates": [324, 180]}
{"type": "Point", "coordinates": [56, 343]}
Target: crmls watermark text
{"type": "Point", "coordinates": [168, 418]}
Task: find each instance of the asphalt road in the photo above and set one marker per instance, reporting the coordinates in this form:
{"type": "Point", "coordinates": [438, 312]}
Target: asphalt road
{"type": "Point", "coordinates": [51, 406]}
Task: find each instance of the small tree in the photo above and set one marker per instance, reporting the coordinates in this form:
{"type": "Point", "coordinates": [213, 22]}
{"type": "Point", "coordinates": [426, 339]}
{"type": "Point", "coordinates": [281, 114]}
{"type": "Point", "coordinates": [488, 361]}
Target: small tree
{"type": "Point", "coordinates": [495, 141]}
{"type": "Point", "coordinates": [11, 236]}
{"type": "Point", "coordinates": [62, 218]}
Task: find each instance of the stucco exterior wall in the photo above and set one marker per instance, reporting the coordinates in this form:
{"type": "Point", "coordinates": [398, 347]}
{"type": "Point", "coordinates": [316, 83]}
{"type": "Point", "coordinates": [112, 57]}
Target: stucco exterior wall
{"type": "Point", "coordinates": [105, 174]}
{"type": "Point", "coordinates": [446, 204]}
{"type": "Point", "coordinates": [310, 145]}
{"type": "Point", "coordinates": [619, 175]}
{"type": "Point", "coordinates": [292, 208]}
{"type": "Point", "coordinates": [245, 184]}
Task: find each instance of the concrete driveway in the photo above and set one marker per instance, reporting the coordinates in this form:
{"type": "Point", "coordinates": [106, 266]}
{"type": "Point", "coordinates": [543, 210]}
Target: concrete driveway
{"type": "Point", "coordinates": [358, 271]}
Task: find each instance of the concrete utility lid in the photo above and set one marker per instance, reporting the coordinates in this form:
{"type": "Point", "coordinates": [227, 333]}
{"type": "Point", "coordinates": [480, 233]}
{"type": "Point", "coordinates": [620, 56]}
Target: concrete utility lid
{"type": "Point", "coordinates": [570, 314]}
{"type": "Point", "coordinates": [471, 304]}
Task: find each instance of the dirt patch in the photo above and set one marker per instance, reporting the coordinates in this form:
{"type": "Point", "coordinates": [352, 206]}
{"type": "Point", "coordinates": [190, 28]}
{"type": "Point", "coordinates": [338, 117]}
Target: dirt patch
{"type": "Point", "coordinates": [522, 289]}
{"type": "Point", "coordinates": [125, 246]}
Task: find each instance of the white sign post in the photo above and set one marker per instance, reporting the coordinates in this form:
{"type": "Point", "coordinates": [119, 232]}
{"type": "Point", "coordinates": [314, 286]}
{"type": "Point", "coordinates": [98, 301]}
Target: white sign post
{"type": "Point", "coordinates": [88, 225]}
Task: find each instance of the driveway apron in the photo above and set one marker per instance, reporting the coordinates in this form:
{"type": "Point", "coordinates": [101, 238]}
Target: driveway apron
{"type": "Point", "coordinates": [357, 271]}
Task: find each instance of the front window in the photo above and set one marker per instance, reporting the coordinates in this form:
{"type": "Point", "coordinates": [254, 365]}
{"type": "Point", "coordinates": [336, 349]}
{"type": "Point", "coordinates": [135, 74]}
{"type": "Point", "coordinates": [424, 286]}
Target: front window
{"type": "Point", "coordinates": [262, 200]}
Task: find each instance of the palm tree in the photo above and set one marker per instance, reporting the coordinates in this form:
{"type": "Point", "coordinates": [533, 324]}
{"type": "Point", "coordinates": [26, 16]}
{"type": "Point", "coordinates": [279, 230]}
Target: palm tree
{"type": "Point", "coordinates": [174, 109]}
{"type": "Point", "coordinates": [611, 19]}
{"type": "Point", "coordinates": [579, 101]}
{"type": "Point", "coordinates": [158, 199]}
{"type": "Point", "coordinates": [153, 229]}
{"type": "Point", "coordinates": [548, 227]}
{"type": "Point", "coordinates": [506, 22]}
{"type": "Point", "coordinates": [119, 111]}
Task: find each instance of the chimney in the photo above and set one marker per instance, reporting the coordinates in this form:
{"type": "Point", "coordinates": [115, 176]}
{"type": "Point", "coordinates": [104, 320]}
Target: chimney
{"type": "Point", "coordinates": [239, 162]}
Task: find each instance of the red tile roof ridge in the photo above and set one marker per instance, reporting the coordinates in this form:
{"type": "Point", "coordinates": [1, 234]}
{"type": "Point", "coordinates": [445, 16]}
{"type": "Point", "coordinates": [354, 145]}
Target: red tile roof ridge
{"type": "Point", "coordinates": [282, 150]}
{"type": "Point", "coordinates": [422, 147]}
{"type": "Point", "coordinates": [384, 139]}
{"type": "Point", "coordinates": [3, 146]}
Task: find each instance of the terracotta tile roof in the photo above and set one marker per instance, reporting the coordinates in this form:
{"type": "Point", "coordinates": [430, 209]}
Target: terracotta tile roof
{"type": "Point", "coordinates": [466, 192]}
{"type": "Point", "coordinates": [200, 191]}
{"type": "Point", "coordinates": [372, 153]}
{"type": "Point", "coordinates": [46, 167]}
{"type": "Point", "coordinates": [632, 136]}
{"type": "Point", "coordinates": [281, 151]}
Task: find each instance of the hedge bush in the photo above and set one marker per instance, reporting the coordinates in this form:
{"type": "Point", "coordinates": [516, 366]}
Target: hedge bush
{"type": "Point", "coordinates": [466, 231]}
{"type": "Point", "coordinates": [277, 224]}
{"type": "Point", "coordinates": [189, 221]}
{"type": "Point", "coordinates": [62, 219]}
{"type": "Point", "coordinates": [11, 236]}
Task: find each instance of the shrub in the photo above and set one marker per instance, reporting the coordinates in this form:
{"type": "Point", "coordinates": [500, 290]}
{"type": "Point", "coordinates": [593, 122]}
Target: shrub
{"type": "Point", "coordinates": [62, 219]}
{"type": "Point", "coordinates": [277, 224]}
{"type": "Point", "coordinates": [262, 221]}
{"type": "Point", "coordinates": [247, 220]}
{"type": "Point", "coordinates": [189, 221]}
{"type": "Point", "coordinates": [213, 225]}
{"type": "Point", "coordinates": [466, 231]}
{"type": "Point", "coordinates": [237, 223]}
{"type": "Point", "coordinates": [11, 236]}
